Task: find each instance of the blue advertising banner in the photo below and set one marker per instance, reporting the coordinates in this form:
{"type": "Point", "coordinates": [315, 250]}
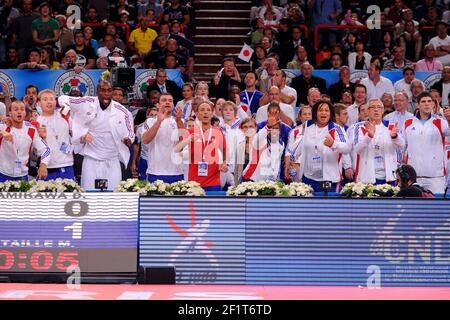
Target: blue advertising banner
{"type": "Point", "coordinates": [288, 241]}
{"type": "Point", "coordinates": [62, 82]}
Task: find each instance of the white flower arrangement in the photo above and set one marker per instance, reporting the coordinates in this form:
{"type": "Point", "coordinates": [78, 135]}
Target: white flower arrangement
{"type": "Point", "coordinates": [57, 185]}
{"type": "Point", "coordinates": [298, 189]}
{"type": "Point", "coordinates": [133, 185]}
{"type": "Point", "coordinates": [158, 187]}
{"type": "Point", "coordinates": [384, 190]}
{"type": "Point", "coordinates": [254, 189]}
{"type": "Point", "coordinates": [15, 186]}
{"type": "Point", "coordinates": [369, 190]}
{"type": "Point", "coordinates": [357, 189]}
{"type": "Point", "coordinates": [186, 188]}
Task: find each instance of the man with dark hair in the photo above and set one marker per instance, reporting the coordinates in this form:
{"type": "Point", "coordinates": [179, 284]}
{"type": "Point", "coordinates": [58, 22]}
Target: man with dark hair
{"type": "Point", "coordinates": [305, 81]}
{"type": "Point", "coordinates": [344, 83]}
{"type": "Point", "coordinates": [45, 29]}
{"type": "Point", "coordinates": [443, 85]}
{"type": "Point", "coordinates": [376, 84]}
{"type": "Point", "coordinates": [360, 95]}
{"type": "Point", "coordinates": [405, 83]}
{"type": "Point", "coordinates": [225, 78]}
{"type": "Point", "coordinates": [442, 43]}
{"type": "Point", "coordinates": [425, 136]}
{"type": "Point", "coordinates": [164, 85]}
{"type": "Point", "coordinates": [86, 55]}
{"type": "Point", "coordinates": [398, 62]}
{"type": "Point", "coordinates": [105, 133]}
{"type": "Point", "coordinates": [22, 30]}
{"type": "Point", "coordinates": [250, 96]}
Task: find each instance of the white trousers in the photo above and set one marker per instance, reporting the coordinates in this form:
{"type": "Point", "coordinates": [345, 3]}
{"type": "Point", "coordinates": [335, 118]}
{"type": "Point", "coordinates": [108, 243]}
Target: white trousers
{"type": "Point", "coordinates": [95, 169]}
{"type": "Point", "coordinates": [435, 185]}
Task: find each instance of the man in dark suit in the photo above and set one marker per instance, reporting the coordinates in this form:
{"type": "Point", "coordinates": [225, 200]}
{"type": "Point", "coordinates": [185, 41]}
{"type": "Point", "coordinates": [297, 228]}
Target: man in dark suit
{"type": "Point", "coordinates": [442, 84]}
{"type": "Point", "coordinates": [288, 48]}
{"type": "Point", "coordinates": [305, 81]}
{"type": "Point", "coordinates": [163, 85]}
{"type": "Point", "coordinates": [344, 83]}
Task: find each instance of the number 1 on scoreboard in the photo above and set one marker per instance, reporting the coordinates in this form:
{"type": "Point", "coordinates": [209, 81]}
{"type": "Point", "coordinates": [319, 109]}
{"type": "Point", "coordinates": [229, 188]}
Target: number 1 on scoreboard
{"type": "Point", "coordinates": [77, 230]}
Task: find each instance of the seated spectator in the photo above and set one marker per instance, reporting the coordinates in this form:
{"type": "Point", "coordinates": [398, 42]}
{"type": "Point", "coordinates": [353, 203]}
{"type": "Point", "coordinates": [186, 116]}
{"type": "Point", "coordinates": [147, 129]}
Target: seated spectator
{"type": "Point", "coordinates": [420, 12]}
{"type": "Point", "coordinates": [344, 83]}
{"type": "Point", "coordinates": [86, 55]}
{"type": "Point", "coordinates": [266, 72]}
{"type": "Point", "coordinates": [141, 39]}
{"type": "Point", "coordinates": [429, 62]}
{"type": "Point", "coordinates": [430, 21]}
{"type": "Point", "coordinates": [284, 34]}
{"type": "Point", "coordinates": [171, 62]}
{"type": "Point", "coordinates": [108, 46]}
{"type": "Point", "coordinates": [48, 58]}
{"type": "Point", "coordinates": [173, 49]}
{"type": "Point", "coordinates": [12, 60]}
{"type": "Point", "coordinates": [257, 35]}
{"type": "Point", "coordinates": [102, 63]}
{"type": "Point", "coordinates": [301, 56]}
{"type": "Point", "coordinates": [45, 29]}
{"type": "Point", "coordinates": [288, 95]}
{"type": "Point", "coordinates": [411, 41]}
{"type": "Point", "coordinates": [258, 57]}
{"type": "Point", "coordinates": [34, 61]}
{"type": "Point", "coordinates": [407, 15]}
{"type": "Point", "coordinates": [326, 56]}
{"type": "Point", "coordinates": [117, 8]}
{"type": "Point", "coordinates": [417, 87]}
{"type": "Point", "coordinates": [164, 85]}
{"type": "Point", "coordinates": [346, 98]}
{"type": "Point", "coordinates": [69, 62]}
{"type": "Point", "coordinates": [144, 6]}
{"type": "Point", "coordinates": [124, 18]}
{"type": "Point", "coordinates": [360, 95]}
{"type": "Point", "coordinates": [92, 17]}
{"type": "Point", "coordinates": [349, 42]}
{"type": "Point", "coordinates": [351, 20]}
{"type": "Point", "coordinates": [399, 116]}
{"type": "Point", "coordinates": [398, 62]}
{"type": "Point", "coordinates": [441, 43]}
{"type": "Point", "coordinates": [111, 29]}
{"type": "Point", "coordinates": [176, 29]}
{"type": "Point", "coordinates": [384, 49]}
{"type": "Point", "coordinates": [405, 83]}
{"type": "Point", "coordinates": [90, 41]}
{"type": "Point", "coordinates": [177, 12]}
{"type": "Point", "coordinates": [388, 103]}
{"type": "Point", "coordinates": [360, 59]}
{"type": "Point", "coordinates": [395, 11]}
{"type": "Point", "coordinates": [314, 95]}
{"type": "Point", "coordinates": [267, 5]}
{"type": "Point", "coordinates": [295, 15]}
{"type": "Point", "coordinates": [157, 53]}
{"type": "Point", "coordinates": [270, 33]}
{"type": "Point", "coordinates": [305, 81]}
{"type": "Point", "coordinates": [225, 78]}
{"type": "Point", "coordinates": [376, 84]}
{"type": "Point", "coordinates": [288, 49]}
{"type": "Point", "coordinates": [287, 114]}
{"type": "Point", "coordinates": [271, 18]}
{"type": "Point", "coordinates": [443, 86]}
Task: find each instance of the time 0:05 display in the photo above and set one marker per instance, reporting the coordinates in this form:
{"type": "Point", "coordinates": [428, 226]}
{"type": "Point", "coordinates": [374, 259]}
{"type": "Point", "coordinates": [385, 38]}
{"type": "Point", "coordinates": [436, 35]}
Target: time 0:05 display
{"type": "Point", "coordinates": [37, 260]}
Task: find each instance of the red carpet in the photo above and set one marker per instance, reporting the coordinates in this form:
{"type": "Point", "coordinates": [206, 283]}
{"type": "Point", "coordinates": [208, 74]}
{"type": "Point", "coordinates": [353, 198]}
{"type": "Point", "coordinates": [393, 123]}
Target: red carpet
{"type": "Point", "coordinates": [21, 291]}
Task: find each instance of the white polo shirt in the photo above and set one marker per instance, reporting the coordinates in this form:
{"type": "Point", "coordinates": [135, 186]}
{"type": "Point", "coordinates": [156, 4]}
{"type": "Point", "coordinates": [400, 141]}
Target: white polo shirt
{"type": "Point", "coordinates": [377, 91]}
{"type": "Point", "coordinates": [290, 92]}
{"type": "Point", "coordinates": [161, 158]}
{"type": "Point", "coordinates": [261, 115]}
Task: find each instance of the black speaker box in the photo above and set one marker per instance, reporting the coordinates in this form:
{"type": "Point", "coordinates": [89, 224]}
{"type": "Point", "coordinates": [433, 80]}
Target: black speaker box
{"type": "Point", "coordinates": [156, 275]}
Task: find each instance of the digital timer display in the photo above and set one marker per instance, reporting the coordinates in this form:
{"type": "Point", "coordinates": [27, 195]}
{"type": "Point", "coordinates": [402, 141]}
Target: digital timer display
{"type": "Point", "coordinates": [97, 232]}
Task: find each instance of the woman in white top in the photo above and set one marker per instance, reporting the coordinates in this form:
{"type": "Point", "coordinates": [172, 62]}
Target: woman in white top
{"type": "Point", "coordinates": [377, 144]}
{"type": "Point", "coordinates": [321, 149]}
{"type": "Point", "coordinates": [186, 103]}
{"type": "Point", "coordinates": [359, 60]}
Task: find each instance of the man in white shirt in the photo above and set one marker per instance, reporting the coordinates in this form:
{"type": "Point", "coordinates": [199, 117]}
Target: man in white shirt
{"type": "Point", "coordinates": [425, 136]}
{"type": "Point", "coordinates": [376, 84]}
{"type": "Point", "coordinates": [102, 133]}
{"type": "Point", "coordinates": [17, 138]}
{"type": "Point", "coordinates": [400, 114]}
{"type": "Point", "coordinates": [360, 95]}
{"type": "Point", "coordinates": [405, 83]}
{"type": "Point", "coordinates": [162, 135]}
{"type": "Point", "coordinates": [288, 95]}
{"type": "Point", "coordinates": [109, 46]}
{"type": "Point", "coordinates": [286, 111]}
{"type": "Point", "coordinates": [442, 43]}
{"type": "Point", "coordinates": [56, 131]}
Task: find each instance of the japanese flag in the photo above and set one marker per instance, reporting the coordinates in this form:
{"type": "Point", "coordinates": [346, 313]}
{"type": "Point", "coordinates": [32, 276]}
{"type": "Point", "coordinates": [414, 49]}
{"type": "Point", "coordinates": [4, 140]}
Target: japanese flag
{"type": "Point", "coordinates": [246, 53]}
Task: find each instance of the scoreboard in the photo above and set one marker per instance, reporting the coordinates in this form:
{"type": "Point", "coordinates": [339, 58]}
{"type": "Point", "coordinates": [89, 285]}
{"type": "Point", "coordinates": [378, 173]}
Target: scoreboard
{"type": "Point", "coordinates": [55, 232]}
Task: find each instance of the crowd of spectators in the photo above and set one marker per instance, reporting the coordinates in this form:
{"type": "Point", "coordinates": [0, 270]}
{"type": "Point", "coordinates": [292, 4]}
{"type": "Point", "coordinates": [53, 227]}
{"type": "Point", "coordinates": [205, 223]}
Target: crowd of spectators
{"type": "Point", "coordinates": [45, 35]}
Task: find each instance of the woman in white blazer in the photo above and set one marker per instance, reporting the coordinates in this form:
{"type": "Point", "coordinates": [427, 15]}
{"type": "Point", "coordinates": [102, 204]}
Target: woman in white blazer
{"type": "Point", "coordinates": [359, 60]}
{"type": "Point", "coordinates": [322, 147]}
